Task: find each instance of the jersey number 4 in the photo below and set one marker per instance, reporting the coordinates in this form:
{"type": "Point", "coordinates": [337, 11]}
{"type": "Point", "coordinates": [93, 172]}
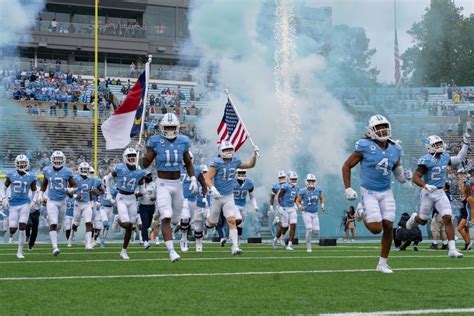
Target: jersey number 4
{"type": "Point", "coordinates": [383, 165]}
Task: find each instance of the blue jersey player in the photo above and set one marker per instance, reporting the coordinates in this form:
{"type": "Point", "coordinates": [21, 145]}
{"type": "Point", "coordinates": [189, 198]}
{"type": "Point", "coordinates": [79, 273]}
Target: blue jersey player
{"type": "Point", "coordinates": [281, 175]}
{"type": "Point", "coordinates": [430, 175]}
{"type": "Point", "coordinates": [220, 180]}
{"type": "Point", "coordinates": [129, 178]}
{"type": "Point", "coordinates": [59, 182]}
{"type": "Point", "coordinates": [243, 188]}
{"type": "Point", "coordinates": [310, 200]}
{"type": "Point", "coordinates": [170, 150]}
{"type": "Point", "coordinates": [287, 210]}
{"type": "Point", "coordinates": [379, 157]}
{"type": "Point", "coordinates": [19, 204]}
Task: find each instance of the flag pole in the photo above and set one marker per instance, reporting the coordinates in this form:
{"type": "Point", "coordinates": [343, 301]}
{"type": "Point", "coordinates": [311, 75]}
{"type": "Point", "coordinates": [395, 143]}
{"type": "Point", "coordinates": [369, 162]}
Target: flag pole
{"type": "Point", "coordinates": [96, 84]}
{"type": "Point", "coordinates": [243, 124]}
{"type": "Point", "coordinates": [145, 99]}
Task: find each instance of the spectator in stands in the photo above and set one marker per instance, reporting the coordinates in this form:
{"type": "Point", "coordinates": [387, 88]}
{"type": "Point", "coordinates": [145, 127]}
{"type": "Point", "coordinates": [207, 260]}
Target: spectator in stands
{"type": "Point", "coordinates": [34, 109]}
{"type": "Point", "coordinates": [132, 69]}
{"type": "Point", "coordinates": [54, 25]}
{"type": "Point", "coordinates": [52, 108]}
{"type": "Point", "coordinates": [164, 110]}
{"type": "Point", "coordinates": [65, 108]}
{"type": "Point", "coordinates": [74, 109]}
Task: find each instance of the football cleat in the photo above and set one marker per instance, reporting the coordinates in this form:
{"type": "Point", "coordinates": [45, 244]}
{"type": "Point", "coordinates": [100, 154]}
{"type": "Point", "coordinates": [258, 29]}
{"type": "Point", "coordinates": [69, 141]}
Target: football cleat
{"type": "Point", "coordinates": [124, 255]}
{"type": "Point", "coordinates": [289, 247]}
{"type": "Point", "coordinates": [10, 240]}
{"type": "Point", "coordinates": [383, 268]}
{"type": "Point", "coordinates": [69, 243]}
{"type": "Point", "coordinates": [236, 251]}
{"type": "Point", "coordinates": [434, 246]}
{"type": "Point", "coordinates": [146, 244]}
{"type": "Point", "coordinates": [199, 245]}
{"type": "Point", "coordinates": [157, 241]}
{"type": "Point", "coordinates": [309, 248]}
{"type": "Point", "coordinates": [282, 242]}
{"type": "Point", "coordinates": [56, 251]}
{"type": "Point", "coordinates": [415, 248]}
{"type": "Point", "coordinates": [89, 248]}
{"type": "Point", "coordinates": [20, 255]}
{"type": "Point", "coordinates": [444, 247]}
{"type": "Point", "coordinates": [223, 241]}
{"type": "Point", "coordinates": [455, 254]}
{"type": "Point", "coordinates": [184, 245]}
{"type": "Point", "coordinates": [411, 221]}
{"type": "Point", "coordinates": [274, 243]}
{"type": "Point", "coordinates": [174, 257]}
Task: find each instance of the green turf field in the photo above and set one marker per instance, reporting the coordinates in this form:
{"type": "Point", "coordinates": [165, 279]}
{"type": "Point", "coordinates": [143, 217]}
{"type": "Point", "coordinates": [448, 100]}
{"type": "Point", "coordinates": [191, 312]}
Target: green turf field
{"type": "Point", "coordinates": [260, 281]}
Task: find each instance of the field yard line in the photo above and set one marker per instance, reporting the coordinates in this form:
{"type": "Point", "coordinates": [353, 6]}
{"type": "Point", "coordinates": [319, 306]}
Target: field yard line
{"type": "Point", "coordinates": [257, 273]}
{"type": "Point", "coordinates": [209, 259]}
{"type": "Point", "coordinates": [407, 312]}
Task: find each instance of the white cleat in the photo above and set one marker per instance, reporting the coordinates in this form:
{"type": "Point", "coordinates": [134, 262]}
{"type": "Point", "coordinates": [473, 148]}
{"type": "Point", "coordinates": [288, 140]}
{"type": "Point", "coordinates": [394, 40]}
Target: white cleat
{"type": "Point", "coordinates": [199, 245]}
{"type": "Point", "coordinates": [184, 245]}
{"type": "Point", "coordinates": [89, 248]}
{"type": "Point", "coordinates": [56, 251]}
{"type": "Point", "coordinates": [309, 250]}
{"type": "Point", "coordinates": [455, 254]}
{"type": "Point", "coordinates": [20, 255]}
{"type": "Point", "coordinates": [383, 268]}
{"type": "Point", "coordinates": [124, 254]}
{"type": "Point", "coordinates": [282, 242]}
{"type": "Point", "coordinates": [69, 244]}
{"type": "Point", "coordinates": [10, 240]}
{"type": "Point", "coordinates": [236, 251]}
{"type": "Point", "coordinates": [174, 257]}
{"type": "Point", "coordinates": [157, 241]}
{"type": "Point", "coordinates": [289, 247]}
{"type": "Point", "coordinates": [146, 245]}
{"type": "Point", "coordinates": [274, 243]}
{"type": "Point", "coordinates": [411, 221]}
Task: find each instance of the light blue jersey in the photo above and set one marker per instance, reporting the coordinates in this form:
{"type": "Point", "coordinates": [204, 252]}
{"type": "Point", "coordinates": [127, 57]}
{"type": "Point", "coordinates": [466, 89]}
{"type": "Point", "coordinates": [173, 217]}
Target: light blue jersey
{"type": "Point", "coordinates": [241, 191]}
{"type": "Point", "coordinates": [57, 182]}
{"type": "Point", "coordinates": [169, 154]}
{"type": "Point", "coordinates": [84, 188]}
{"type": "Point", "coordinates": [186, 180]}
{"type": "Point", "coordinates": [289, 196]}
{"type": "Point", "coordinates": [97, 184]}
{"type": "Point", "coordinates": [70, 206]}
{"type": "Point", "coordinates": [225, 174]}
{"type": "Point", "coordinates": [275, 189]}
{"type": "Point", "coordinates": [128, 180]}
{"type": "Point", "coordinates": [310, 199]}
{"type": "Point", "coordinates": [20, 186]}
{"type": "Point", "coordinates": [377, 164]}
{"type": "Point", "coordinates": [435, 169]}
{"type": "Point", "coordinates": [104, 201]}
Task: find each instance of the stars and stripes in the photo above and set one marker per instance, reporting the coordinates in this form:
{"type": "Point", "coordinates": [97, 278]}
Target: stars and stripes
{"type": "Point", "coordinates": [231, 127]}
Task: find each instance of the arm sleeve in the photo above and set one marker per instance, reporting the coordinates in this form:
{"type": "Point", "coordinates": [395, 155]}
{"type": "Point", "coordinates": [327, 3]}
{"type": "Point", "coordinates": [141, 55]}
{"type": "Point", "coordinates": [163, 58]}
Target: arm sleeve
{"type": "Point", "coordinates": [399, 175]}
{"type": "Point", "coordinates": [460, 156]}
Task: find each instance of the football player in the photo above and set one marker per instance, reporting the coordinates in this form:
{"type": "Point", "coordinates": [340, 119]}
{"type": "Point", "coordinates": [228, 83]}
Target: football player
{"type": "Point", "coordinates": [466, 221]}
{"type": "Point", "coordinates": [309, 200]}
{"type": "Point", "coordinates": [170, 150]}
{"type": "Point", "coordinates": [129, 178]}
{"type": "Point", "coordinates": [146, 208]}
{"type": "Point", "coordinates": [68, 219]}
{"type": "Point", "coordinates": [243, 187]}
{"type": "Point", "coordinates": [220, 180]}
{"type": "Point", "coordinates": [19, 203]}
{"type": "Point", "coordinates": [430, 175]}
{"type": "Point", "coordinates": [106, 211]}
{"type": "Point", "coordinates": [276, 219]}
{"type": "Point", "coordinates": [58, 179]}
{"type": "Point", "coordinates": [379, 157]}
{"type": "Point", "coordinates": [287, 209]}
{"type": "Point", "coordinates": [202, 204]}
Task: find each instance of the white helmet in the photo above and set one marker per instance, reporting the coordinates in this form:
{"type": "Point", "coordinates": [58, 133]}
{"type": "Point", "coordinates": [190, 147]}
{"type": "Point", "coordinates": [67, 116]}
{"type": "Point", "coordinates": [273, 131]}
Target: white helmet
{"type": "Point", "coordinates": [130, 156]}
{"type": "Point", "coordinates": [58, 159]}
{"type": "Point", "coordinates": [435, 144]}
{"type": "Point", "coordinates": [22, 163]}
{"type": "Point", "coordinates": [169, 120]}
{"type": "Point", "coordinates": [241, 174]}
{"type": "Point", "coordinates": [84, 168]}
{"type": "Point", "coordinates": [225, 145]}
{"type": "Point", "coordinates": [204, 169]}
{"type": "Point", "coordinates": [292, 178]}
{"type": "Point", "coordinates": [310, 180]}
{"type": "Point", "coordinates": [377, 132]}
{"type": "Point", "coordinates": [281, 176]}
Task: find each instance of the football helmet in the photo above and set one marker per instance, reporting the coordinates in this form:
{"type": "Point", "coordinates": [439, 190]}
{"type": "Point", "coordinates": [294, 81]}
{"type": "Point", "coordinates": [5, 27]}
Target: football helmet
{"type": "Point", "coordinates": [435, 144]}
{"type": "Point", "coordinates": [292, 178]}
{"type": "Point", "coordinates": [228, 148]}
{"type": "Point", "coordinates": [58, 159]}
{"type": "Point", "coordinates": [379, 128]}
{"type": "Point", "coordinates": [281, 176]}
{"type": "Point", "coordinates": [310, 180]}
{"type": "Point", "coordinates": [241, 174]}
{"type": "Point", "coordinates": [169, 126]}
{"type": "Point", "coordinates": [22, 163]}
{"type": "Point", "coordinates": [84, 168]}
{"type": "Point", "coordinates": [130, 156]}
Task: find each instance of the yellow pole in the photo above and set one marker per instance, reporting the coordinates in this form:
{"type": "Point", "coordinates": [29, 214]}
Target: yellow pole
{"type": "Point", "coordinates": [96, 80]}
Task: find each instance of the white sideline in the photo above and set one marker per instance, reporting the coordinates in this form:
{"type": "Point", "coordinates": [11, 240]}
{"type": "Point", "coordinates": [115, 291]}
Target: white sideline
{"type": "Point", "coordinates": [209, 259]}
{"type": "Point", "coordinates": [407, 312]}
{"type": "Point", "coordinates": [256, 273]}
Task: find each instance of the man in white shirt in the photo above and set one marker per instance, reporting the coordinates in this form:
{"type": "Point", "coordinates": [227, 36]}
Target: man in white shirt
{"type": "Point", "coordinates": [146, 208]}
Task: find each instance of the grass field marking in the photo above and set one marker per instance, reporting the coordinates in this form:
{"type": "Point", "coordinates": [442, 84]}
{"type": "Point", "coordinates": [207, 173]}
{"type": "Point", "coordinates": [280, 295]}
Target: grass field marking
{"type": "Point", "coordinates": [407, 312]}
{"type": "Point", "coordinates": [208, 259]}
{"type": "Point", "coordinates": [246, 273]}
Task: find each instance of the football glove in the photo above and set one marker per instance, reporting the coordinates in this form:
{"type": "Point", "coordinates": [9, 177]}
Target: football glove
{"type": "Point", "coordinates": [430, 188]}
{"type": "Point", "coordinates": [5, 203]}
{"type": "Point", "coordinates": [323, 209]}
{"type": "Point", "coordinates": [214, 193]}
{"type": "Point", "coordinates": [408, 174]}
{"type": "Point", "coordinates": [193, 187]}
{"type": "Point", "coordinates": [351, 194]}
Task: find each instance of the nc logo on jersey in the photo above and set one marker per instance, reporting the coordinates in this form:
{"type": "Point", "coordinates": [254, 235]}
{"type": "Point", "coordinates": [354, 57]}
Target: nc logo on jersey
{"type": "Point", "coordinates": [162, 141]}
{"type": "Point", "coordinates": [373, 147]}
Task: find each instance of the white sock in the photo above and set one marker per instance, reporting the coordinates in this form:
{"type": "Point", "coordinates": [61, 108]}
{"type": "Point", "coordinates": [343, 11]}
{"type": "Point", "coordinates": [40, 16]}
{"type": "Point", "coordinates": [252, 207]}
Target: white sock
{"type": "Point", "coordinates": [290, 243]}
{"type": "Point", "coordinates": [88, 238]}
{"type": "Point", "coordinates": [435, 242]}
{"type": "Point", "coordinates": [21, 240]}
{"type": "Point", "coordinates": [451, 245]}
{"type": "Point", "coordinates": [234, 237]}
{"type": "Point", "coordinates": [54, 238]}
{"type": "Point", "coordinates": [382, 261]}
{"type": "Point", "coordinates": [445, 242]}
{"type": "Point", "coordinates": [308, 236]}
{"type": "Point", "coordinates": [123, 250]}
{"type": "Point", "coordinates": [169, 245]}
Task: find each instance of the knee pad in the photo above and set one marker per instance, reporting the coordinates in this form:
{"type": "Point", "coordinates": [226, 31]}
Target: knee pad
{"type": "Point", "coordinates": [316, 232]}
{"type": "Point", "coordinates": [184, 224]}
{"type": "Point", "coordinates": [197, 235]}
{"type": "Point", "coordinates": [239, 230]}
{"type": "Point", "coordinates": [238, 222]}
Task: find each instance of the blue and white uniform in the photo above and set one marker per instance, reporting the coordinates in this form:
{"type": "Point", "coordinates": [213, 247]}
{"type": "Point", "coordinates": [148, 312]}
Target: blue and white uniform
{"type": "Point", "coordinates": [310, 201]}
{"type": "Point", "coordinates": [127, 182]}
{"type": "Point", "coordinates": [83, 206]}
{"type": "Point", "coordinates": [69, 213]}
{"type": "Point", "coordinates": [241, 192]}
{"type": "Point", "coordinates": [435, 174]}
{"type": "Point", "coordinates": [190, 209]}
{"type": "Point", "coordinates": [169, 155]}
{"type": "Point", "coordinates": [287, 209]}
{"type": "Point", "coordinates": [107, 207]}
{"type": "Point", "coordinates": [19, 201]}
{"type": "Point", "coordinates": [376, 174]}
{"type": "Point", "coordinates": [57, 185]}
{"type": "Point", "coordinates": [224, 183]}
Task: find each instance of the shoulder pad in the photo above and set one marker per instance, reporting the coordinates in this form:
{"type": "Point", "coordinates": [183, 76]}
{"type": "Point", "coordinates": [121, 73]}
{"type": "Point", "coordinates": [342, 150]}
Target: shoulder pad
{"type": "Point", "coordinates": [362, 144]}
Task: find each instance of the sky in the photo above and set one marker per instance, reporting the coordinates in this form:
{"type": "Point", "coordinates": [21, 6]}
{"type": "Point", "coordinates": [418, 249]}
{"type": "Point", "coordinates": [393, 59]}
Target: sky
{"type": "Point", "coordinates": [377, 18]}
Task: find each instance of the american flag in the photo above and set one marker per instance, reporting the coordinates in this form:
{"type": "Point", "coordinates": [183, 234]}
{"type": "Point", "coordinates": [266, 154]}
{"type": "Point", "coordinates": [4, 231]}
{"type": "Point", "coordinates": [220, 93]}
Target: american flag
{"type": "Point", "coordinates": [398, 77]}
{"type": "Point", "coordinates": [231, 127]}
